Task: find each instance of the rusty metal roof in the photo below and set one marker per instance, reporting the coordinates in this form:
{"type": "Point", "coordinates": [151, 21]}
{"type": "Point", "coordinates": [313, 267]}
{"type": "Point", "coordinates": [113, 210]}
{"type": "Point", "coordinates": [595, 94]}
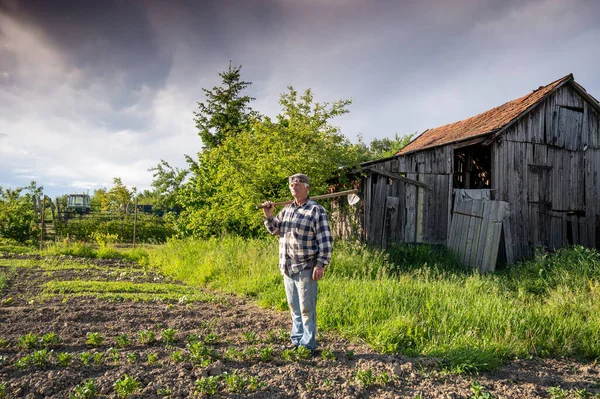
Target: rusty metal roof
{"type": "Point", "coordinates": [483, 124]}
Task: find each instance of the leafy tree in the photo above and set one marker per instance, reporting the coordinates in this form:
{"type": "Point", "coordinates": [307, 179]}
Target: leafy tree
{"type": "Point", "coordinates": [166, 183]}
{"type": "Point", "coordinates": [383, 148]}
{"type": "Point", "coordinates": [229, 180]}
{"type": "Point", "coordinates": [99, 199]}
{"type": "Point", "coordinates": [17, 216]}
{"type": "Point", "coordinates": [226, 111]}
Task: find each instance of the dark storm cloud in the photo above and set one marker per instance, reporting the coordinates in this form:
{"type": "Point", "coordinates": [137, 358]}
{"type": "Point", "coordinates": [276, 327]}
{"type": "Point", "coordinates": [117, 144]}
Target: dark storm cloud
{"type": "Point", "coordinates": [110, 42]}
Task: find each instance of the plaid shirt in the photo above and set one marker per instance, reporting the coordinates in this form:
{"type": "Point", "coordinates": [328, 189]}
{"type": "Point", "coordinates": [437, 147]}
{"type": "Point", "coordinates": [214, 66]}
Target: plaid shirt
{"type": "Point", "coordinates": [305, 239]}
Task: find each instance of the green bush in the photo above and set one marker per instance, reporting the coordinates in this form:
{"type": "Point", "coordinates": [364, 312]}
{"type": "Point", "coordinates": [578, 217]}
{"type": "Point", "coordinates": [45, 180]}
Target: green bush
{"type": "Point", "coordinates": [17, 218]}
{"type": "Point", "coordinates": [104, 227]}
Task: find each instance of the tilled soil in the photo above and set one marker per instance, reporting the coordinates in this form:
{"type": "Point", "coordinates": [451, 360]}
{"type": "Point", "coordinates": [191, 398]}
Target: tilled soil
{"type": "Point", "coordinates": [232, 323]}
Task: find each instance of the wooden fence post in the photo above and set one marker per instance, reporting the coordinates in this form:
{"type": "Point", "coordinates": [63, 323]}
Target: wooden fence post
{"type": "Point", "coordinates": [42, 217]}
{"type": "Point", "coordinates": [135, 220]}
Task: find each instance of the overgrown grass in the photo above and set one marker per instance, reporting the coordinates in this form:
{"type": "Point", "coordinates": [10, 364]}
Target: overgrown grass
{"type": "Point", "coordinates": [418, 300]}
{"type": "Point", "coordinates": [86, 250]}
{"type": "Point", "coordinates": [123, 290]}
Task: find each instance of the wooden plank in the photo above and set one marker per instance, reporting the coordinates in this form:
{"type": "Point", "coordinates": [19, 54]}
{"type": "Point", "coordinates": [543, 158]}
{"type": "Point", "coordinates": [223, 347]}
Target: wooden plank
{"type": "Point", "coordinates": [420, 207]}
{"type": "Point", "coordinates": [478, 225]}
{"type": "Point", "coordinates": [411, 211]}
{"type": "Point", "coordinates": [496, 225]}
{"type": "Point", "coordinates": [508, 240]}
{"type": "Point", "coordinates": [398, 177]}
{"type": "Point", "coordinates": [392, 220]}
{"type": "Point", "coordinates": [491, 218]}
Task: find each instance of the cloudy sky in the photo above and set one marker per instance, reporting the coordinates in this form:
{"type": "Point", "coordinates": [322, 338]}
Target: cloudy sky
{"type": "Point", "coordinates": [91, 90]}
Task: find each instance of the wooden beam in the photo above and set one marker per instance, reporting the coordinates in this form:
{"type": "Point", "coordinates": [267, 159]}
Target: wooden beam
{"type": "Point", "coordinates": [399, 177]}
{"type": "Point", "coordinates": [467, 143]}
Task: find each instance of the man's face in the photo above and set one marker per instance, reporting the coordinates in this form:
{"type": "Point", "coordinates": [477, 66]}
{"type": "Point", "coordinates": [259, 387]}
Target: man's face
{"type": "Point", "coordinates": [299, 190]}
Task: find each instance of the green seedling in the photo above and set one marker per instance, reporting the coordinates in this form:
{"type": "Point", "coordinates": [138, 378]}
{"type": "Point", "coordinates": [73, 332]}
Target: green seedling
{"type": "Point", "coordinates": [122, 341]}
{"type": "Point", "coordinates": [200, 354]}
{"type": "Point", "coordinates": [94, 339]}
{"type": "Point", "coordinates": [236, 383]}
{"type": "Point", "coordinates": [383, 378]}
{"type": "Point", "coordinates": [327, 354]}
{"type": "Point", "coordinates": [250, 352]}
{"type": "Point", "coordinates": [126, 386]}
{"type": "Point", "coordinates": [271, 336]}
{"type": "Point", "coordinates": [8, 301]}
{"type": "Point", "coordinates": [29, 341]}
{"type": "Point", "coordinates": [41, 357]}
{"type": "Point", "coordinates": [283, 335]}
{"type": "Point", "coordinates": [211, 338]}
{"type": "Point", "coordinates": [23, 363]}
{"type": "Point", "coordinates": [193, 338]}
{"type": "Point", "coordinates": [234, 354]}
{"type": "Point", "coordinates": [86, 390]}
{"type": "Point", "coordinates": [255, 384]}
{"type": "Point", "coordinates": [557, 393]}
{"type": "Point", "coordinates": [266, 354]}
{"type": "Point", "coordinates": [349, 354]}
{"type": "Point", "coordinates": [4, 343]}
{"type": "Point", "coordinates": [289, 355]}
{"type": "Point", "coordinates": [64, 359]}
{"type": "Point", "coordinates": [152, 358]}
{"type": "Point", "coordinates": [132, 358]}
{"type": "Point", "coordinates": [85, 358]}
{"type": "Point", "coordinates": [98, 358]}
{"type": "Point", "coordinates": [250, 337]}
{"type": "Point", "coordinates": [114, 355]}
{"type": "Point", "coordinates": [177, 356]}
{"type": "Point", "coordinates": [3, 389]}
{"type": "Point", "coordinates": [364, 378]}
{"type": "Point", "coordinates": [51, 340]}
{"type": "Point", "coordinates": [479, 391]}
{"type": "Point", "coordinates": [166, 391]}
{"type": "Point", "coordinates": [582, 393]}
{"type": "Point", "coordinates": [207, 385]}
{"type": "Point", "coordinates": [168, 336]}
{"type": "Point", "coordinates": [303, 353]}
{"type": "Point", "coordinates": [146, 337]}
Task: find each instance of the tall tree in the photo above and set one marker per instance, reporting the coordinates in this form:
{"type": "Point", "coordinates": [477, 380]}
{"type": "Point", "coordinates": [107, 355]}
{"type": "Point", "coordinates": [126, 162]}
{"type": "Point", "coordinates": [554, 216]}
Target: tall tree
{"type": "Point", "coordinates": [167, 182]}
{"type": "Point", "coordinates": [226, 111]}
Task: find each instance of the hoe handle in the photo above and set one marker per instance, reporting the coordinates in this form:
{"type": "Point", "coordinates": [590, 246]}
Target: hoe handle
{"type": "Point", "coordinates": [330, 195]}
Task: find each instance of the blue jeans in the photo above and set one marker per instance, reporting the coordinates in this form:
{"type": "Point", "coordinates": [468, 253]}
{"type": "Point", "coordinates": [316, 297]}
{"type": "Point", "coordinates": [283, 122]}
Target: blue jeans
{"type": "Point", "coordinates": [301, 292]}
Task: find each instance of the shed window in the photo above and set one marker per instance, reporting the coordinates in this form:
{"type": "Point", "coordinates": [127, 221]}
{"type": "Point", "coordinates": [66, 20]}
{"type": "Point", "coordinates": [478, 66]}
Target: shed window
{"type": "Point", "coordinates": [472, 167]}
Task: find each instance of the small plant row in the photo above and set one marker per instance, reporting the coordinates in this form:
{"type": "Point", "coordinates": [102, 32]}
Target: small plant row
{"type": "Point", "coordinates": [123, 387]}
{"type": "Point", "coordinates": [143, 337]}
{"type": "Point", "coordinates": [95, 339]}
{"type": "Point", "coordinates": [229, 382]}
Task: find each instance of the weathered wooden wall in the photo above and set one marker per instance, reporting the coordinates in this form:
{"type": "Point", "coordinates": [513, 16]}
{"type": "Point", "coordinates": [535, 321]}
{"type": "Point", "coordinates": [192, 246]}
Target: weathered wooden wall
{"type": "Point", "coordinates": [546, 166]}
{"type": "Point", "coordinates": [403, 212]}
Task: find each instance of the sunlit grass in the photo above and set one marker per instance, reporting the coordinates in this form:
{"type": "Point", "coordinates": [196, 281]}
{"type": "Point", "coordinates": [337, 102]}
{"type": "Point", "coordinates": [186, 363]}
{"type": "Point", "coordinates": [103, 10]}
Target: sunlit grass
{"type": "Point", "coordinates": [418, 300]}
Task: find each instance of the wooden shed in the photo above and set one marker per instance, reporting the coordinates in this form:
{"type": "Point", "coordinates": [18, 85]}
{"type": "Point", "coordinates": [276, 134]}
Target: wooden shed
{"type": "Point", "coordinates": [531, 164]}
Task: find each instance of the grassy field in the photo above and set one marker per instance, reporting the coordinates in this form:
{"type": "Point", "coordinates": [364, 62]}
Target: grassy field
{"type": "Point", "coordinates": [418, 300]}
{"type": "Point", "coordinates": [414, 300]}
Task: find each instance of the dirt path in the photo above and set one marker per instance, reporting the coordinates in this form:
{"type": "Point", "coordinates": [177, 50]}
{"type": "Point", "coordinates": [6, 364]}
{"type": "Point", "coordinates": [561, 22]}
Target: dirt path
{"type": "Point", "coordinates": [236, 333]}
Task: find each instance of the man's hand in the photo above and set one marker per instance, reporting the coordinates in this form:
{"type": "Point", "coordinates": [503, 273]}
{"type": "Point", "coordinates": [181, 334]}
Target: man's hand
{"type": "Point", "coordinates": [268, 209]}
{"type": "Point", "coordinates": [318, 273]}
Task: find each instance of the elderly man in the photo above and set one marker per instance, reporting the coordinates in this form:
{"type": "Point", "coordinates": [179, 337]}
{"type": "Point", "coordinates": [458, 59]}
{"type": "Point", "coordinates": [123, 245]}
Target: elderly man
{"type": "Point", "coordinates": [305, 245]}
